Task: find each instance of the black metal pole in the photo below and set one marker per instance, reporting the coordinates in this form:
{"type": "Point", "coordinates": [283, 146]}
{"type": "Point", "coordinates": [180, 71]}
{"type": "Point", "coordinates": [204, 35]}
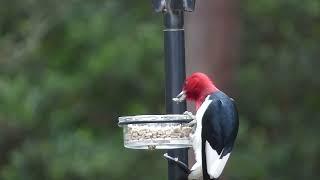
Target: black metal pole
{"type": "Point", "coordinates": [174, 47]}
{"type": "Point", "coordinates": [175, 75]}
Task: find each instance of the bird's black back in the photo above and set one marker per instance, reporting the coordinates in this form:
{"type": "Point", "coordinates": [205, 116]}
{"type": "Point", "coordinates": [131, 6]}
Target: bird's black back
{"type": "Point", "coordinates": [219, 126]}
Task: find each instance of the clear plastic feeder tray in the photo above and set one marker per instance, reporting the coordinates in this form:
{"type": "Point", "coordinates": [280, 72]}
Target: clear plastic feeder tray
{"type": "Point", "coordinates": [156, 131]}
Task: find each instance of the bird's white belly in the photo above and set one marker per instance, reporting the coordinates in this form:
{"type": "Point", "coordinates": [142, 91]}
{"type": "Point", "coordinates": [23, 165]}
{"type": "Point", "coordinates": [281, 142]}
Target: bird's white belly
{"type": "Point", "coordinates": [196, 137]}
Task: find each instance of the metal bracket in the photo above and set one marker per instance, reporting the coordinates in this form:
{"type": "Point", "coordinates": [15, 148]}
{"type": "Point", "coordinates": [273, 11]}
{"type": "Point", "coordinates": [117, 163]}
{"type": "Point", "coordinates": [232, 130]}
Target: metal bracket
{"type": "Point", "coordinates": [173, 5]}
{"type": "Point", "coordinates": [182, 165]}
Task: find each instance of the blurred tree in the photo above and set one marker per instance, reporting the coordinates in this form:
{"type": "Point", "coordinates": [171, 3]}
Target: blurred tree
{"type": "Point", "coordinates": [277, 82]}
{"type": "Point", "coordinates": [279, 91]}
{"type": "Point", "coordinates": [213, 33]}
{"type": "Point", "coordinates": [69, 69]}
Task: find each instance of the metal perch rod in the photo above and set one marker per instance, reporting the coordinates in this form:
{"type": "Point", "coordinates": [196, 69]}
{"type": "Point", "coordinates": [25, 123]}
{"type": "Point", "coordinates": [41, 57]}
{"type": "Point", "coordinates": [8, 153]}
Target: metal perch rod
{"type": "Point", "coordinates": [179, 163]}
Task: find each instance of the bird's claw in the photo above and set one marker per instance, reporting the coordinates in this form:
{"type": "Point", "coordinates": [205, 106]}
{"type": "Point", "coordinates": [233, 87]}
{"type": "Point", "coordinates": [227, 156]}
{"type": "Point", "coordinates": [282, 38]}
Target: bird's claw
{"type": "Point", "coordinates": [192, 123]}
{"type": "Point", "coordinates": [193, 176]}
{"type": "Point", "coordinates": [190, 114]}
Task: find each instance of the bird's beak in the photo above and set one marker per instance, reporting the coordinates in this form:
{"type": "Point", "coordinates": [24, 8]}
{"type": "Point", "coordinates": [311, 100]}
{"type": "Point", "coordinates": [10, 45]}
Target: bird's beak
{"type": "Point", "coordinates": [180, 97]}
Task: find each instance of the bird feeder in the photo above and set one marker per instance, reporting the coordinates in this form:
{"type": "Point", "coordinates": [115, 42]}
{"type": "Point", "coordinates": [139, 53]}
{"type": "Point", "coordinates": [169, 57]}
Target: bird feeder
{"type": "Point", "coordinates": [156, 131]}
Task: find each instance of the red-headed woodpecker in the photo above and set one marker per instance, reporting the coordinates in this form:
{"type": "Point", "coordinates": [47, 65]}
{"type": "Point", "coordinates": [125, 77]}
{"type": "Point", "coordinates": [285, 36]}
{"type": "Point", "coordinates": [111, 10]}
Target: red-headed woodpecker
{"type": "Point", "coordinates": [216, 126]}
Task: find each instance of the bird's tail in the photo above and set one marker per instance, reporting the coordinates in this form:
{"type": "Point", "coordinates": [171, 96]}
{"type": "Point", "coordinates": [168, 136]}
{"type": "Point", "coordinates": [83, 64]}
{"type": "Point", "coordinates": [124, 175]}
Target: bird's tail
{"type": "Point", "coordinates": [215, 162]}
{"type": "Point", "coordinates": [217, 167]}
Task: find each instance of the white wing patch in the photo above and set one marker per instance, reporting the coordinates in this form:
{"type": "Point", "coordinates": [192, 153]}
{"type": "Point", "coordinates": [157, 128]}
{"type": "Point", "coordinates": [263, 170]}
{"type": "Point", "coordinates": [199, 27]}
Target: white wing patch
{"type": "Point", "coordinates": [215, 165]}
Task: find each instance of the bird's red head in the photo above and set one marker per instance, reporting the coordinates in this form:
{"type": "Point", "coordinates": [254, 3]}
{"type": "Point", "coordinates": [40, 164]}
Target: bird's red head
{"type": "Point", "coordinates": [196, 87]}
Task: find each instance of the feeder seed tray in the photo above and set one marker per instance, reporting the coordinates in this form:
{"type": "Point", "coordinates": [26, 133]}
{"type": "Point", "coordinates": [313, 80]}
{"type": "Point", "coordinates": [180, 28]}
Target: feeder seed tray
{"type": "Point", "coordinates": [156, 131]}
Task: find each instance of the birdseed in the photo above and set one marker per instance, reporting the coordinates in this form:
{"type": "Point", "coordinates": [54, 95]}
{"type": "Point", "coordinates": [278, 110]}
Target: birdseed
{"type": "Point", "coordinates": [136, 132]}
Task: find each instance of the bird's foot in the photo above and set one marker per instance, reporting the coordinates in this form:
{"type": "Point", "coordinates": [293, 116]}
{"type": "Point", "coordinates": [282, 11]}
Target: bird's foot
{"type": "Point", "coordinates": [192, 123]}
{"type": "Point", "coordinates": [190, 114]}
{"type": "Point", "coordinates": [196, 172]}
{"type": "Point", "coordinates": [195, 175]}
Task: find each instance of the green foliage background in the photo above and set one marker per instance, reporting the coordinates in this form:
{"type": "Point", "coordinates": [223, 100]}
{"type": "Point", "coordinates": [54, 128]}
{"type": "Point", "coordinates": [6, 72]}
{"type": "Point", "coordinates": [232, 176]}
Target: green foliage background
{"type": "Point", "coordinates": [68, 69]}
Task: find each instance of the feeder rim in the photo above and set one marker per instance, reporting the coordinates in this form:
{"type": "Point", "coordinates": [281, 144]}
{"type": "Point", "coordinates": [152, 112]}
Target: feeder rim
{"type": "Point", "coordinates": [167, 118]}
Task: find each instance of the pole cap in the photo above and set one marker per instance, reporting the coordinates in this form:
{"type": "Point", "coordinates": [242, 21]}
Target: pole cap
{"type": "Point", "coordinates": [173, 5]}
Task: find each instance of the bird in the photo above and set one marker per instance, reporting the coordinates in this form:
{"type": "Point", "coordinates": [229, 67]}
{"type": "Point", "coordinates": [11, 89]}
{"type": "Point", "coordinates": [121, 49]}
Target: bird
{"type": "Point", "coordinates": [216, 125]}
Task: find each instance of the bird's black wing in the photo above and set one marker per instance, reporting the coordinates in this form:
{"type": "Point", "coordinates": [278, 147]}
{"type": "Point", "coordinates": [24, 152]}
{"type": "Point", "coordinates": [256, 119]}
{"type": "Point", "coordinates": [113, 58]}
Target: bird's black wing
{"type": "Point", "coordinates": [219, 129]}
{"type": "Point", "coordinates": [211, 127]}
{"type": "Point", "coordinates": [220, 124]}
